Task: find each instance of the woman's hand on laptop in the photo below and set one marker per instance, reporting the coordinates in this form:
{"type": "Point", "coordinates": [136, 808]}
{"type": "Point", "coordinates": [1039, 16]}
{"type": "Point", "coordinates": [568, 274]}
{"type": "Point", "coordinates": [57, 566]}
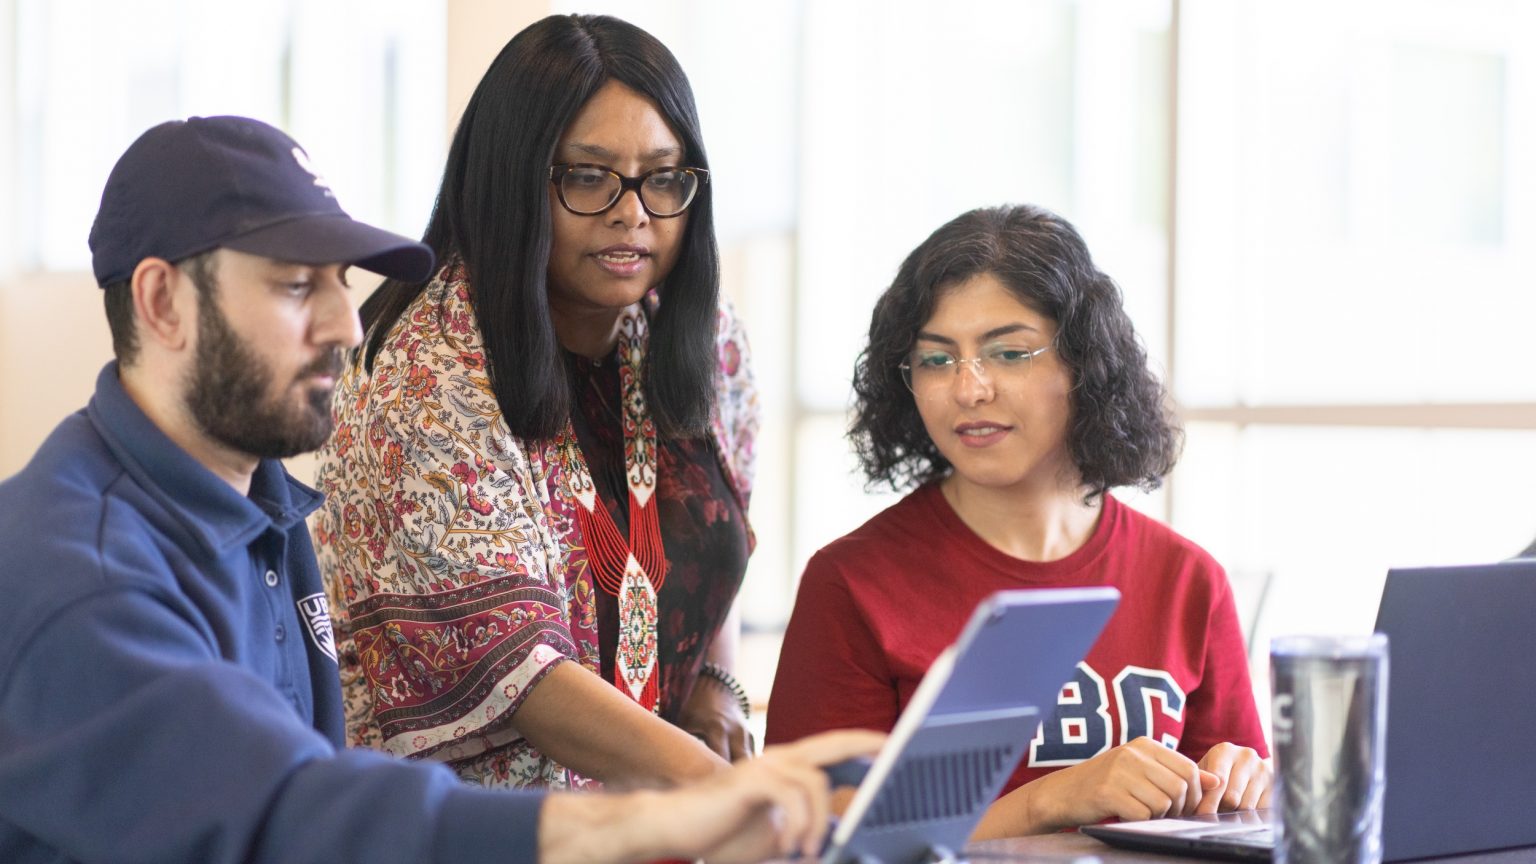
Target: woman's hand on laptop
{"type": "Point", "coordinates": [1137, 780]}
{"type": "Point", "coordinates": [1246, 779]}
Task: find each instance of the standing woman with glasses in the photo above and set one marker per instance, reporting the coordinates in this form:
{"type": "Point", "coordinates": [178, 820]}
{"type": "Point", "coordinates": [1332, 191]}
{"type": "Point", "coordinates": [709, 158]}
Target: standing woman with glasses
{"type": "Point", "coordinates": [535, 522]}
{"type": "Point", "coordinates": [1005, 382]}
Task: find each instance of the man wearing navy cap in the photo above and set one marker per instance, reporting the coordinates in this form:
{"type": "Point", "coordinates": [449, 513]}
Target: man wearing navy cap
{"type": "Point", "coordinates": [168, 679]}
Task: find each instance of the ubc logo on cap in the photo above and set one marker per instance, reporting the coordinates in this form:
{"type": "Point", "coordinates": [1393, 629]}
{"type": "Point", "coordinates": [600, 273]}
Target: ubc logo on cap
{"type": "Point", "coordinates": [315, 610]}
{"type": "Point", "coordinates": [302, 158]}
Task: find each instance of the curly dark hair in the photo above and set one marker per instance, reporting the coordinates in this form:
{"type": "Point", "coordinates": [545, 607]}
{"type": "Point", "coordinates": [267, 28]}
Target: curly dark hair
{"type": "Point", "coordinates": [1123, 432]}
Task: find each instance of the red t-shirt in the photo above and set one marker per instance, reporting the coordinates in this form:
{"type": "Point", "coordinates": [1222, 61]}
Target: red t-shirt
{"type": "Point", "coordinates": [877, 606]}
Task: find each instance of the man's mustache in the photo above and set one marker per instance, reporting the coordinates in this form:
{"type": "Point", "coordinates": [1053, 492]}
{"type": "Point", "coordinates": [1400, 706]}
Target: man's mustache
{"type": "Point", "coordinates": [329, 363]}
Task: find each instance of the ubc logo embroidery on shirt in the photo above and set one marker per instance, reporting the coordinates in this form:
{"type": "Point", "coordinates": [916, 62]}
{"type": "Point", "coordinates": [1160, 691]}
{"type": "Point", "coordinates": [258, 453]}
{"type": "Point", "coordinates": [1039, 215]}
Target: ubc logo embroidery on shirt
{"type": "Point", "coordinates": [316, 612]}
{"type": "Point", "coordinates": [1150, 701]}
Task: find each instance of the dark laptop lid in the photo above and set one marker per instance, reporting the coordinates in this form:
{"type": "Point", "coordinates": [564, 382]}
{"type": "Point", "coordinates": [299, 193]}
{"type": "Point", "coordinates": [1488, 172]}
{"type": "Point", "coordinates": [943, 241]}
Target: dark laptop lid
{"type": "Point", "coordinates": [1461, 709]}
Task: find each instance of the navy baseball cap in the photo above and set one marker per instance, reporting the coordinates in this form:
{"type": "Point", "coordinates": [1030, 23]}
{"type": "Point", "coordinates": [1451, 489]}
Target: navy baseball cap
{"type": "Point", "coordinates": [190, 186]}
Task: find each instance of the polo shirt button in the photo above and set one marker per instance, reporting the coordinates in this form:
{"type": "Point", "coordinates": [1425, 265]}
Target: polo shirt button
{"type": "Point", "coordinates": [271, 578]}
{"type": "Point", "coordinates": [280, 633]}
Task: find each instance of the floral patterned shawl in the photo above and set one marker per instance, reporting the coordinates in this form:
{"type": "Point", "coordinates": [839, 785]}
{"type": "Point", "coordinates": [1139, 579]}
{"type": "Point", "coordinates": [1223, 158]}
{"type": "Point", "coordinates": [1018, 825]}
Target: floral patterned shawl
{"type": "Point", "coordinates": [450, 548]}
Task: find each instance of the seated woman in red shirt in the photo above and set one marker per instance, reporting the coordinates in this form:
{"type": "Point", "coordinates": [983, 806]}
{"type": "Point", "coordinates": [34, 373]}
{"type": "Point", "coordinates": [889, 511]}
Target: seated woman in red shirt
{"type": "Point", "coordinates": [1005, 382]}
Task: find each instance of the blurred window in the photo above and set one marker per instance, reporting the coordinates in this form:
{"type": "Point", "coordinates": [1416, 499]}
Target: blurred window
{"type": "Point", "coordinates": [359, 84]}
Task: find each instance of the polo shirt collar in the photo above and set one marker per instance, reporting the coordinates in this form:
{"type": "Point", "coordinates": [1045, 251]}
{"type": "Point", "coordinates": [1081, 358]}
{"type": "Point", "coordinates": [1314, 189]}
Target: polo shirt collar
{"type": "Point", "coordinates": [211, 511]}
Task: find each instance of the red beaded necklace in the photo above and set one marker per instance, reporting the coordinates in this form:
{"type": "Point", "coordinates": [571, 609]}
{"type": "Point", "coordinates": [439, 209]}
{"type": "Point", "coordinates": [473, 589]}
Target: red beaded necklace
{"type": "Point", "coordinates": [632, 570]}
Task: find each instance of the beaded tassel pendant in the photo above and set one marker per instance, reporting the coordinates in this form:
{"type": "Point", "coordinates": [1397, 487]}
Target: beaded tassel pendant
{"type": "Point", "coordinates": [632, 570]}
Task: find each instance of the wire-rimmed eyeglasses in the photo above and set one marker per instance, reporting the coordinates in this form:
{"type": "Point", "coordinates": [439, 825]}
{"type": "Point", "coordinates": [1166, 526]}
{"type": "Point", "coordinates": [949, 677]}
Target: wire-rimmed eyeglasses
{"type": "Point", "coordinates": [588, 190]}
{"type": "Point", "coordinates": [928, 371]}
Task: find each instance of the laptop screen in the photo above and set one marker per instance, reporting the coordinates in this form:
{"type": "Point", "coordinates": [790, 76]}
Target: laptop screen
{"type": "Point", "coordinates": [967, 724]}
{"type": "Point", "coordinates": [1461, 722]}
{"type": "Point", "coordinates": [1461, 708]}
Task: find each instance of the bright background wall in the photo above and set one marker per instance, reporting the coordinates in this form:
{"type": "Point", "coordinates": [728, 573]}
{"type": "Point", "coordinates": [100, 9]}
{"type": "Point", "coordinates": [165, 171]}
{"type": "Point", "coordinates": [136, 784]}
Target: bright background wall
{"type": "Point", "coordinates": [1323, 216]}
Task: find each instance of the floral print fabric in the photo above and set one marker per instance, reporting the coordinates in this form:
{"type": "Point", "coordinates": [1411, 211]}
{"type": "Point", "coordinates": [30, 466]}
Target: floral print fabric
{"type": "Point", "coordinates": [451, 551]}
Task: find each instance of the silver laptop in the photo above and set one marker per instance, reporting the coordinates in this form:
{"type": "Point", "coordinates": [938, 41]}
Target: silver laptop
{"type": "Point", "coordinates": [1461, 724]}
{"type": "Point", "coordinates": [1241, 836]}
{"type": "Point", "coordinates": [967, 724]}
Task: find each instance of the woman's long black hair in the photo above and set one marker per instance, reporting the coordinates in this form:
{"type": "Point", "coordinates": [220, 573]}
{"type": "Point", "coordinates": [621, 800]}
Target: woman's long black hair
{"type": "Point", "coordinates": [1122, 432]}
{"type": "Point", "coordinates": [492, 216]}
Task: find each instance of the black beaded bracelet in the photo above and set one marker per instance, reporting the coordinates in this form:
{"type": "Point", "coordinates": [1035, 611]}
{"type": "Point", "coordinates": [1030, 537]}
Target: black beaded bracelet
{"type": "Point", "coordinates": [729, 682]}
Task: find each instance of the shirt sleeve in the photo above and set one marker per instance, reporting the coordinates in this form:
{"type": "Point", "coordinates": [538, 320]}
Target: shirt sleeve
{"type": "Point", "coordinates": [455, 598]}
{"type": "Point", "coordinates": [832, 671]}
{"type": "Point", "coordinates": [1222, 708]}
{"type": "Point", "coordinates": [127, 739]}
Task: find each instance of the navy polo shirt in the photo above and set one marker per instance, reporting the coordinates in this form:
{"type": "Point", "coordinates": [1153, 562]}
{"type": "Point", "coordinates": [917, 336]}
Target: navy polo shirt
{"type": "Point", "coordinates": [168, 679]}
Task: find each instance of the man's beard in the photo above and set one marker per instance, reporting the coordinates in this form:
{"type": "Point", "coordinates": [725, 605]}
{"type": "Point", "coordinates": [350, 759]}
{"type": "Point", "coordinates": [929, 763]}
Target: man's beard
{"type": "Point", "coordinates": [230, 394]}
